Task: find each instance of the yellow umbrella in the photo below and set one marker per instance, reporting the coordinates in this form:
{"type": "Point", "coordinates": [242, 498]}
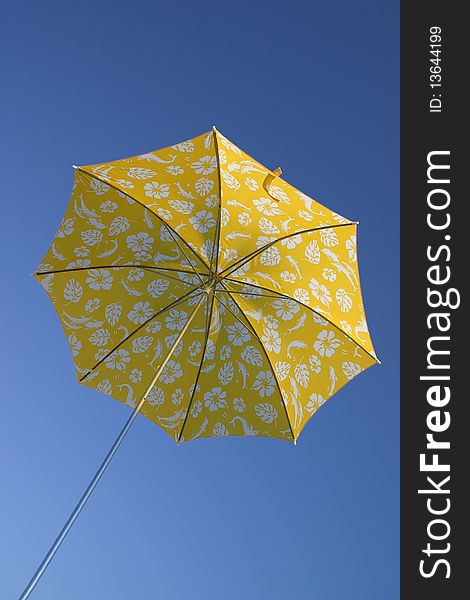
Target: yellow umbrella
{"type": "Point", "coordinates": [207, 293]}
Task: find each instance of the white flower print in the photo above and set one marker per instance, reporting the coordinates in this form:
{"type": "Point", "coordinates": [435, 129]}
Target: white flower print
{"type": "Point", "coordinates": [92, 237]}
{"type": "Point", "coordinates": [271, 321]}
{"type": "Point", "coordinates": [176, 320]}
{"type": "Point", "coordinates": [316, 400]}
{"type": "Point", "coordinates": [329, 275]}
{"type": "Point", "coordinates": [99, 279]}
{"type": "Point", "coordinates": [140, 173]}
{"type": "Point", "coordinates": [81, 251]}
{"type": "Point", "coordinates": [271, 340]}
{"type": "Point", "coordinates": [142, 242]}
{"type": "Point", "coordinates": [285, 308]}
{"type": "Point", "coordinates": [326, 343]}
{"type": "Point", "coordinates": [141, 312]}
{"type": "Point", "coordinates": [196, 408]}
{"type": "Point", "coordinates": [205, 165]}
{"type": "Point", "coordinates": [157, 190]}
{"type": "Point", "coordinates": [66, 228]}
{"type": "Point", "coordinates": [251, 184]}
{"type": "Point", "coordinates": [118, 360]}
{"type": "Point", "coordinates": [79, 263]}
{"type": "Point", "coordinates": [175, 170]}
{"type": "Point", "coordinates": [320, 292]}
{"type": "Point", "coordinates": [158, 287]}
{"type": "Point", "coordinates": [237, 334]}
{"type": "Point", "coordinates": [92, 304]}
{"type": "Point", "coordinates": [194, 348]}
{"type": "Point", "coordinates": [212, 201]}
{"type": "Point", "coordinates": [267, 206]}
{"type": "Point", "coordinates": [108, 206]}
{"type": "Point", "coordinates": [244, 219]}
{"type": "Point", "coordinates": [344, 300]}
{"type": "Point", "coordinates": [230, 255]}
{"type": "Point", "coordinates": [215, 399]}
{"type": "Point", "coordinates": [239, 405]}
{"type": "Point", "coordinates": [135, 274]}
{"type": "Point", "coordinates": [202, 221]}
{"type": "Point", "coordinates": [171, 372]}
{"type": "Point", "coordinates": [75, 344]}
{"type": "Point", "coordinates": [292, 241]}
{"type": "Point", "coordinates": [288, 276]}
{"type": "Point", "coordinates": [264, 383]}
{"type": "Point", "coordinates": [135, 376]}
{"type": "Point", "coordinates": [328, 237]}
{"type": "Point", "coordinates": [177, 397]}
{"type": "Point", "coordinates": [346, 327]}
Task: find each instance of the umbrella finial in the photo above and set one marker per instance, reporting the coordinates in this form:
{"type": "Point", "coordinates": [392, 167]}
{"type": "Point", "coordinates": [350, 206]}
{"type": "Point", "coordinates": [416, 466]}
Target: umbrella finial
{"type": "Point", "coordinates": [214, 128]}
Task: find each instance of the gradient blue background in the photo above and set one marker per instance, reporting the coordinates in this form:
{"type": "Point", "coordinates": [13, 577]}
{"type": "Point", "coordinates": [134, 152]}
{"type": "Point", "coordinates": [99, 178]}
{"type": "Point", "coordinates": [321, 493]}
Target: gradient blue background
{"type": "Point", "coordinates": [311, 86]}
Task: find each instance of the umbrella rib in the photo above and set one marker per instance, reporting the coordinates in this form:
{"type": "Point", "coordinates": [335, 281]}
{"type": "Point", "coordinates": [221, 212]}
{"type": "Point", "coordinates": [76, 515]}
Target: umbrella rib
{"type": "Point", "coordinates": [206, 339]}
{"type": "Point", "coordinates": [91, 268]}
{"type": "Point", "coordinates": [244, 259]}
{"type": "Point", "coordinates": [107, 182]}
{"type": "Point", "coordinates": [157, 314]}
{"type": "Point", "coordinates": [219, 216]}
{"type": "Point", "coordinates": [253, 331]}
{"type": "Point", "coordinates": [247, 293]}
{"type": "Point", "coordinates": [281, 295]}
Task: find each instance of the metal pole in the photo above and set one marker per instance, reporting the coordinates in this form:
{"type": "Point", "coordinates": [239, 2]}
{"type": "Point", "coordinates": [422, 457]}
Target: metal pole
{"type": "Point", "coordinates": [71, 520]}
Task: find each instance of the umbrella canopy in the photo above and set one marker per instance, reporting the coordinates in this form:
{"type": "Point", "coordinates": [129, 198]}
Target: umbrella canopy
{"type": "Point", "coordinates": [198, 264]}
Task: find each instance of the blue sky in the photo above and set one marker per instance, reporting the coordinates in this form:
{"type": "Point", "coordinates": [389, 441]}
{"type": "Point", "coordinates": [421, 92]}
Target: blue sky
{"type": "Point", "coordinates": [311, 86]}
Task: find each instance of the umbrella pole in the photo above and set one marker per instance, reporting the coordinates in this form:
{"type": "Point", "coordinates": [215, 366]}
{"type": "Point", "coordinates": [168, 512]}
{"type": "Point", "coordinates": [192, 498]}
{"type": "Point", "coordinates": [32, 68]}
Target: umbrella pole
{"type": "Point", "coordinates": [77, 510]}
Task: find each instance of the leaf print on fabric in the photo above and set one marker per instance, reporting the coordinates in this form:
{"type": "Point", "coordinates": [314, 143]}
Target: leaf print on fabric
{"type": "Point", "coordinates": [266, 412]}
{"type": "Point", "coordinates": [73, 291]}
{"type": "Point", "coordinates": [118, 225]}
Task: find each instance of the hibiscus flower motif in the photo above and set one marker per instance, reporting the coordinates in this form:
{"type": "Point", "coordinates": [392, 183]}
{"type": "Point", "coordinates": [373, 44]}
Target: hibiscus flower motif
{"type": "Point", "coordinates": [244, 219]}
{"type": "Point", "coordinates": [135, 274]}
{"type": "Point", "coordinates": [81, 251]}
{"type": "Point", "coordinates": [239, 405]}
{"type": "Point", "coordinates": [176, 320]}
{"type": "Point", "coordinates": [135, 376]}
{"type": "Point", "coordinates": [99, 187]}
{"type": "Point", "coordinates": [142, 242]}
{"type": "Point", "coordinates": [108, 206]}
{"type": "Point", "coordinates": [205, 165]}
{"type": "Point", "coordinates": [175, 170]}
{"type": "Point", "coordinates": [315, 364]}
{"type": "Point", "coordinates": [288, 276]}
{"type": "Point", "coordinates": [316, 400]}
{"type": "Point", "coordinates": [171, 372]}
{"type": "Point", "coordinates": [271, 340]}
{"type": "Point", "coordinates": [292, 241]}
{"type": "Point", "coordinates": [92, 304]}
{"type": "Point", "coordinates": [177, 397]}
{"type": "Point", "coordinates": [329, 275]}
{"type": "Point", "coordinates": [215, 399]}
{"type": "Point", "coordinates": [326, 343]}
{"type": "Point", "coordinates": [285, 308]}
{"type": "Point", "coordinates": [267, 206]}
{"type": "Point", "coordinates": [118, 360]}
{"type": "Point", "coordinates": [157, 190]}
{"type": "Point", "coordinates": [202, 221]}
{"type": "Point", "coordinates": [237, 334]}
{"type": "Point", "coordinates": [264, 383]}
{"type": "Point", "coordinates": [141, 312]}
{"type": "Point", "coordinates": [99, 279]}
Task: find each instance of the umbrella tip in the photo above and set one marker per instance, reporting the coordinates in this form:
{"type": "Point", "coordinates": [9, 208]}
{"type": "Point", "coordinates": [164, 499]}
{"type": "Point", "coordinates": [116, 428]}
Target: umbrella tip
{"type": "Point", "coordinates": [214, 128]}
{"type": "Point", "coordinates": [75, 166]}
{"type": "Point", "coordinates": [356, 222]}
